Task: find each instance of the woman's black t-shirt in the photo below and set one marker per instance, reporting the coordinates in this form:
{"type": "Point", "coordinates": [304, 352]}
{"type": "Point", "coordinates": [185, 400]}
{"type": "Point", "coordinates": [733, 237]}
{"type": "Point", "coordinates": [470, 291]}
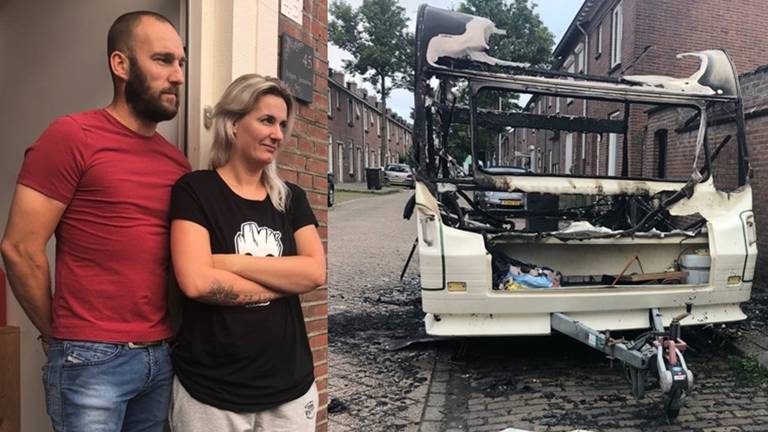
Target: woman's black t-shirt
{"type": "Point", "coordinates": [252, 357]}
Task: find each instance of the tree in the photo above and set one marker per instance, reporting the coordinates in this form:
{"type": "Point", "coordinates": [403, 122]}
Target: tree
{"type": "Point", "coordinates": [527, 40]}
{"type": "Point", "coordinates": [376, 35]}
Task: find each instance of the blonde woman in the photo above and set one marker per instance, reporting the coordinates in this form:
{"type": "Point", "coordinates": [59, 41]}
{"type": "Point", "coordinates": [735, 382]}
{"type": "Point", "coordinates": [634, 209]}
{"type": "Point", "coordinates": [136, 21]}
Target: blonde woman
{"type": "Point", "coordinates": [244, 245]}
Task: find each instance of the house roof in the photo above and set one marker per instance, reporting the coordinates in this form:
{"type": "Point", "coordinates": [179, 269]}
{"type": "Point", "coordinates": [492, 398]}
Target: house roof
{"type": "Point", "coordinates": [558, 55]}
{"type": "Point", "coordinates": [361, 95]}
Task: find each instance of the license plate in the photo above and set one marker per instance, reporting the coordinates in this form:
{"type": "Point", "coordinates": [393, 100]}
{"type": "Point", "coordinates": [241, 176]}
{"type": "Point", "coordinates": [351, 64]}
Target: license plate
{"type": "Point", "coordinates": [511, 202]}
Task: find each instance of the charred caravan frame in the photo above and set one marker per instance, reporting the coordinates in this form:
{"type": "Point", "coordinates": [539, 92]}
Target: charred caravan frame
{"type": "Point", "coordinates": [459, 246]}
{"type": "Point", "coordinates": [621, 221]}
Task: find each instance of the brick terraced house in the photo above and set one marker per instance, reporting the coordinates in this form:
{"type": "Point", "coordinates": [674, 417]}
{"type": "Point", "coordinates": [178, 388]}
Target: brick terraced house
{"type": "Point", "coordinates": [354, 134]}
{"type": "Point", "coordinates": [633, 37]}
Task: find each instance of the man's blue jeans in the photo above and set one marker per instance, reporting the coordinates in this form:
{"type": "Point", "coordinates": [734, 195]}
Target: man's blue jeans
{"type": "Point", "coordinates": [103, 387]}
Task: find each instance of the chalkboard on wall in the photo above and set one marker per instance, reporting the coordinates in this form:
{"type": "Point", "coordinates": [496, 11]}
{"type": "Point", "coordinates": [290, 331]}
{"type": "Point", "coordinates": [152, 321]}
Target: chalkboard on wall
{"type": "Point", "coordinates": [297, 61]}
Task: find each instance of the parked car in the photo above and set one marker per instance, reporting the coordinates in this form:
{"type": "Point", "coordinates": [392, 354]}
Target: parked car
{"type": "Point", "coordinates": [331, 189]}
{"type": "Point", "coordinates": [400, 174]}
{"type": "Point", "coordinates": [498, 201]}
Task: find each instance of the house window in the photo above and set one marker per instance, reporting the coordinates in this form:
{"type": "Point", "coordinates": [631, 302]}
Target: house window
{"type": "Point", "coordinates": [359, 161]}
{"type": "Point", "coordinates": [350, 114]}
{"type": "Point", "coordinates": [598, 144]}
{"type": "Point", "coordinates": [351, 159]}
{"type": "Point", "coordinates": [338, 101]}
{"type": "Point", "coordinates": [613, 142]}
{"type": "Point", "coordinates": [599, 47]}
{"type": "Point", "coordinates": [581, 54]}
{"type": "Point", "coordinates": [330, 103]}
{"type": "Point", "coordinates": [660, 137]}
{"type": "Point", "coordinates": [539, 160]}
{"type": "Point", "coordinates": [557, 105]}
{"type": "Point", "coordinates": [568, 166]}
{"type": "Point", "coordinates": [357, 110]}
{"type": "Point", "coordinates": [570, 68]}
{"type": "Point", "coordinates": [617, 29]}
{"type": "Point", "coordinates": [378, 125]}
{"type": "Point", "coordinates": [366, 114]}
{"type": "Point", "coordinates": [330, 153]}
{"type": "Point", "coordinates": [340, 153]}
{"type": "Point", "coordinates": [549, 161]}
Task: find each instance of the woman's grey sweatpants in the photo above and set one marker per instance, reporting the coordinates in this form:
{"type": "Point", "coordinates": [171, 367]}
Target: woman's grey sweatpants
{"type": "Point", "coordinates": [189, 415]}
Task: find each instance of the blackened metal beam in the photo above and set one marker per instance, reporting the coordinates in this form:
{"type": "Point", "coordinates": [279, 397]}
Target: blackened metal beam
{"type": "Point", "coordinates": [495, 119]}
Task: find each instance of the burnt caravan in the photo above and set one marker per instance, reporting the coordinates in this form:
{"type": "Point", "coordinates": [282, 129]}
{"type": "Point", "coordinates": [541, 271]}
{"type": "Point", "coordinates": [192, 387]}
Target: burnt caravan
{"type": "Point", "coordinates": [590, 251]}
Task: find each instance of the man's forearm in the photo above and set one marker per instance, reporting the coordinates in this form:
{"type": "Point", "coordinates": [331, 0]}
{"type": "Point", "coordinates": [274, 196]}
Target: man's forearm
{"type": "Point", "coordinates": [30, 280]}
{"type": "Point", "coordinates": [292, 274]}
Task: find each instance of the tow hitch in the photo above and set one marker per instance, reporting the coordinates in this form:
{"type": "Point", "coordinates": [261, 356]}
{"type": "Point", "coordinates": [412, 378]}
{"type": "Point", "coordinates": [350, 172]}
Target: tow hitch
{"type": "Point", "coordinates": [656, 352]}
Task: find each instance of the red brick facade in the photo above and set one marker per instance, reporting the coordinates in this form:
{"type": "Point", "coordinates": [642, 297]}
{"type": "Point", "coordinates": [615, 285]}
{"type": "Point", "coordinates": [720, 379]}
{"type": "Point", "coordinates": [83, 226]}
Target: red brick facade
{"type": "Point", "coordinates": [681, 141]}
{"type": "Point", "coordinates": [354, 134]}
{"type": "Point", "coordinates": [304, 161]}
{"type": "Point", "coordinates": [669, 28]}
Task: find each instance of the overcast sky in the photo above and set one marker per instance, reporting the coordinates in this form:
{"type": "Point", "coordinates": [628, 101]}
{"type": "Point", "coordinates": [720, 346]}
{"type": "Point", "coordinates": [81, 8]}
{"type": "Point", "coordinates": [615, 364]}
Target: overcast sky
{"type": "Point", "coordinates": [556, 15]}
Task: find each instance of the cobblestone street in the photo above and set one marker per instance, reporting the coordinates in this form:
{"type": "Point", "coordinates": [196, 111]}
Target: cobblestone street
{"type": "Point", "coordinates": [372, 388]}
{"type": "Point", "coordinates": [489, 384]}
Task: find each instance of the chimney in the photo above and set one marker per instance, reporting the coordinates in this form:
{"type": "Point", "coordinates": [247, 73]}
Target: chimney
{"type": "Point", "coordinates": [338, 77]}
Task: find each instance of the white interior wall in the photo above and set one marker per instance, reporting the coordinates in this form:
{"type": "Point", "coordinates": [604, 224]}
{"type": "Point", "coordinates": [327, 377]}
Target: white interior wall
{"type": "Point", "coordinates": [228, 38]}
{"type": "Point", "coordinates": [52, 62]}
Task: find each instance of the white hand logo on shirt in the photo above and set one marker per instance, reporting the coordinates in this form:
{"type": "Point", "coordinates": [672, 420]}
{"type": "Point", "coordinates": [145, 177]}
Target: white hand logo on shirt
{"type": "Point", "coordinates": [258, 241]}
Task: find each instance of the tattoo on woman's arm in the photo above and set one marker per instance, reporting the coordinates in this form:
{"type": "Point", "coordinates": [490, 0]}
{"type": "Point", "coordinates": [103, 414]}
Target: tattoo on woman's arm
{"type": "Point", "coordinates": [223, 295]}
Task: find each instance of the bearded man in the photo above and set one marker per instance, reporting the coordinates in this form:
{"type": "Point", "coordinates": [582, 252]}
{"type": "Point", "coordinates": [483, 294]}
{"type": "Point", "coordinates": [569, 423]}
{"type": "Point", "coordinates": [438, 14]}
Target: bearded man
{"type": "Point", "coordinates": [101, 180]}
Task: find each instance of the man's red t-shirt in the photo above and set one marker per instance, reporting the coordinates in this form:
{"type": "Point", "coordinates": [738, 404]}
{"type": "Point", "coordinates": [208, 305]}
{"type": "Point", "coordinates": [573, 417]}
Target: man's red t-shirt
{"type": "Point", "coordinates": [112, 242]}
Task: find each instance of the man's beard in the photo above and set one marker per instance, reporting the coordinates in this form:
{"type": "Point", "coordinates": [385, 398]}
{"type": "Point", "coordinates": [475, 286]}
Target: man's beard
{"type": "Point", "coordinates": [146, 105]}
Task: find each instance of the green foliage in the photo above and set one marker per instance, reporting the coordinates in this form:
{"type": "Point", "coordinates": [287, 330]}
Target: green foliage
{"type": "Point", "coordinates": [382, 49]}
{"type": "Point", "coordinates": [527, 40]}
{"type": "Point", "coordinates": [376, 35]}
{"type": "Point", "coordinates": [749, 370]}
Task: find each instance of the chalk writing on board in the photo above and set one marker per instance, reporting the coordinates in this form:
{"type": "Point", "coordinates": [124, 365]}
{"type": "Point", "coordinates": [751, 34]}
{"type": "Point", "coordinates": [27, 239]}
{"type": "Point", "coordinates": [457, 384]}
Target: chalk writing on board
{"type": "Point", "coordinates": [297, 67]}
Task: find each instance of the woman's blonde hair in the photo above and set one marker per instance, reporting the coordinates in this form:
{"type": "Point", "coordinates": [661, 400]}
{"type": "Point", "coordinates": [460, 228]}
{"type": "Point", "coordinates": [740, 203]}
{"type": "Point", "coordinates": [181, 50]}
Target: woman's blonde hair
{"type": "Point", "coordinates": [238, 100]}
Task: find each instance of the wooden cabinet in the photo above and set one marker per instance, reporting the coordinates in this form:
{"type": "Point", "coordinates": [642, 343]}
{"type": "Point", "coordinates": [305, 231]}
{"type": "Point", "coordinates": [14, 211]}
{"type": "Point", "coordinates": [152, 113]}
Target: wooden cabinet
{"type": "Point", "coordinates": [10, 381]}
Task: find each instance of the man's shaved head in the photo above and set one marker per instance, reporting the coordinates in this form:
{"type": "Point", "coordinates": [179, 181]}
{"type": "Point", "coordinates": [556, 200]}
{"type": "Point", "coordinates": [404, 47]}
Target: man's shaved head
{"type": "Point", "coordinates": [120, 36]}
{"type": "Point", "coordinates": [146, 60]}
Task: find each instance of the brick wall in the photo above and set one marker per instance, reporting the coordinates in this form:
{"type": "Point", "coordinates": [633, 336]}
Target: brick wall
{"type": "Point", "coordinates": [347, 136]}
{"type": "Point", "coordinates": [359, 138]}
{"type": "Point", "coordinates": [695, 25]}
{"type": "Point", "coordinates": [304, 161]}
{"type": "Point", "coordinates": [681, 150]}
{"type": "Point", "coordinates": [670, 27]}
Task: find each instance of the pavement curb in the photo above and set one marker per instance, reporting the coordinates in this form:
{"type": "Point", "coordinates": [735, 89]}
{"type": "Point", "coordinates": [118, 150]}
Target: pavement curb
{"type": "Point", "coordinates": [752, 344]}
{"type": "Point", "coordinates": [387, 191]}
